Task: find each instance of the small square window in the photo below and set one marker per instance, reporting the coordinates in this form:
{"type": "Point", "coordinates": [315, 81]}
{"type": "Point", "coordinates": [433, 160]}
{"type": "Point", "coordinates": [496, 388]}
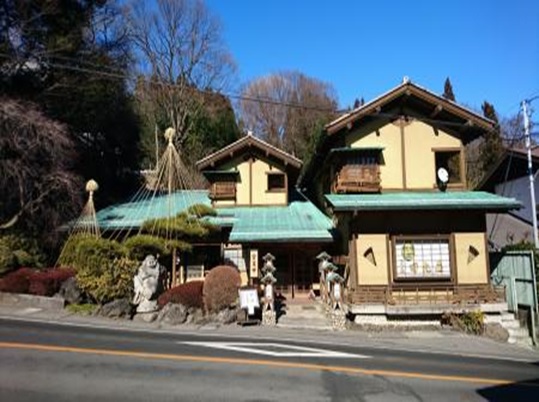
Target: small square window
{"type": "Point", "coordinates": [276, 182]}
{"type": "Point", "coordinates": [450, 161]}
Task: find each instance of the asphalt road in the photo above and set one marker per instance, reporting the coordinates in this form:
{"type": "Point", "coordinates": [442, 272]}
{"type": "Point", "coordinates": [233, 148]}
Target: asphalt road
{"type": "Point", "coordinates": [50, 362]}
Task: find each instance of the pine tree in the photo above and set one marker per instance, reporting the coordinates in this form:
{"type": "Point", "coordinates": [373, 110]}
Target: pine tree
{"type": "Point", "coordinates": [448, 90]}
{"type": "Point", "coordinates": [492, 146]}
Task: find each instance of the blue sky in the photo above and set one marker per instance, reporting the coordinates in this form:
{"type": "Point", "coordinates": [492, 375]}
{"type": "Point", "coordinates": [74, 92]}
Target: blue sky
{"type": "Point", "coordinates": [489, 49]}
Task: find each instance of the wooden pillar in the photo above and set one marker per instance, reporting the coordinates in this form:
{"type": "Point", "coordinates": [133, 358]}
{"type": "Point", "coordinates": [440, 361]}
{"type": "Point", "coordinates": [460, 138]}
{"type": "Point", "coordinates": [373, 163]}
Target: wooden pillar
{"type": "Point", "coordinates": [173, 267]}
{"type": "Point", "coordinates": [292, 265]}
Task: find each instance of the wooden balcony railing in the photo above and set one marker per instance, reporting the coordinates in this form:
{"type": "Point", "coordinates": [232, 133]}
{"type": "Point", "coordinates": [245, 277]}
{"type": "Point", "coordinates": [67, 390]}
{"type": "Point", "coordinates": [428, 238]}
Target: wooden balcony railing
{"type": "Point", "coordinates": [358, 179]}
{"type": "Point", "coordinates": [223, 191]}
{"type": "Point", "coordinates": [431, 295]}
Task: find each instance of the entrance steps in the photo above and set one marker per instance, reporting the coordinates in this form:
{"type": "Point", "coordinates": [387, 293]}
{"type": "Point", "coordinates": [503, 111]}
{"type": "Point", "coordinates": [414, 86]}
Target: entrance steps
{"type": "Point", "coordinates": [517, 334]}
{"type": "Point", "coordinates": [305, 314]}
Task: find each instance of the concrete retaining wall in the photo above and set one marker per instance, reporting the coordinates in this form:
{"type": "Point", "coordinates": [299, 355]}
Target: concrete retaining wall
{"type": "Point", "coordinates": [22, 300]}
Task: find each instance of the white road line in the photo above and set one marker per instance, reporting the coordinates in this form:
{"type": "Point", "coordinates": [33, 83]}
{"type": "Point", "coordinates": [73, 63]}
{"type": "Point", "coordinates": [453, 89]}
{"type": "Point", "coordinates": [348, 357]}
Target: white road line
{"type": "Point", "coordinates": [268, 349]}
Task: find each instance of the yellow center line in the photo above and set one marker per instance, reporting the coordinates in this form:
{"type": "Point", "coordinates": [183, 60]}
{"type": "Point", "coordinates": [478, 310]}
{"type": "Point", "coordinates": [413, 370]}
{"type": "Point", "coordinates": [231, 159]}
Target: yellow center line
{"type": "Point", "coordinates": [255, 362]}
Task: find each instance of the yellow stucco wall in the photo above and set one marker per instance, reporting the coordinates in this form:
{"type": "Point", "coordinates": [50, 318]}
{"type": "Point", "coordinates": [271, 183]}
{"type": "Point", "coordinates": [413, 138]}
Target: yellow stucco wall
{"type": "Point", "coordinates": [259, 181]}
{"type": "Point", "coordinates": [419, 161]}
{"type": "Point", "coordinates": [419, 140]}
{"type": "Point", "coordinates": [471, 269]}
{"type": "Point", "coordinates": [261, 196]}
{"type": "Point", "coordinates": [388, 137]}
{"type": "Point", "coordinates": [367, 272]}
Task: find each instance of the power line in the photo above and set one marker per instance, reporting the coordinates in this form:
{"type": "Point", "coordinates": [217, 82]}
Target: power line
{"type": "Point", "coordinates": [117, 75]}
{"type": "Point", "coordinates": [114, 73]}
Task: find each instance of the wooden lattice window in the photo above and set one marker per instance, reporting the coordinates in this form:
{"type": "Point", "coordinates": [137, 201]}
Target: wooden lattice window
{"type": "Point", "coordinates": [422, 258]}
{"type": "Point", "coordinates": [223, 190]}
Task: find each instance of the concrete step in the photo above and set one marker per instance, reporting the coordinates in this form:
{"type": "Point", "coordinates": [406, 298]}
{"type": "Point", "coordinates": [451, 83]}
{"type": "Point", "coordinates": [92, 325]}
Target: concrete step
{"type": "Point", "coordinates": [519, 336]}
{"type": "Point", "coordinates": [507, 316]}
{"type": "Point", "coordinates": [514, 324]}
{"type": "Point", "coordinates": [518, 332]}
{"type": "Point", "coordinates": [308, 316]}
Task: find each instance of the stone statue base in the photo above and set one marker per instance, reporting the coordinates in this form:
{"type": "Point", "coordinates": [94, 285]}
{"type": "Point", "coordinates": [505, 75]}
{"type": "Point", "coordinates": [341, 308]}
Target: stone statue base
{"type": "Point", "coordinates": [338, 320]}
{"type": "Point", "coordinates": [269, 318]}
{"type": "Point", "coordinates": [147, 306]}
{"type": "Point", "coordinates": [146, 317]}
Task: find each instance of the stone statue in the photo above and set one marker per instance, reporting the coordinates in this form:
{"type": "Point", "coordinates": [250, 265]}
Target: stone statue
{"type": "Point", "coordinates": [147, 283]}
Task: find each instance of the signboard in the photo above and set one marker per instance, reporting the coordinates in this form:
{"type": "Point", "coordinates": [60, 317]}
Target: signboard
{"type": "Point", "coordinates": [249, 300]}
{"type": "Point", "coordinates": [253, 263]}
{"type": "Point", "coordinates": [421, 259]}
{"type": "Point", "coordinates": [233, 254]}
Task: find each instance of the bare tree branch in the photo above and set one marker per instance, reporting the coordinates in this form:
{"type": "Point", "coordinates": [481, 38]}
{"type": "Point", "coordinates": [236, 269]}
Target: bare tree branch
{"type": "Point", "coordinates": [291, 128]}
{"type": "Point", "coordinates": [181, 52]}
{"type": "Point", "coordinates": [35, 178]}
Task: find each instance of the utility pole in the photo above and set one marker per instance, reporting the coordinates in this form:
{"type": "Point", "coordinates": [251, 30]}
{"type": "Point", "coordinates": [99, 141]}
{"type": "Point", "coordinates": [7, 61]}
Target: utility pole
{"type": "Point", "coordinates": [527, 134]}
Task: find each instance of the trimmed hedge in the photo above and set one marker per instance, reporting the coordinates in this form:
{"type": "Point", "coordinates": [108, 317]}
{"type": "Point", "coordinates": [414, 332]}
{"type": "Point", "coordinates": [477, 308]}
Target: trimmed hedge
{"type": "Point", "coordinates": [109, 280]}
{"type": "Point", "coordinates": [40, 283]}
{"type": "Point", "coordinates": [221, 288]}
{"type": "Point", "coordinates": [48, 283]}
{"type": "Point", "coordinates": [17, 281]}
{"type": "Point", "coordinates": [188, 294]}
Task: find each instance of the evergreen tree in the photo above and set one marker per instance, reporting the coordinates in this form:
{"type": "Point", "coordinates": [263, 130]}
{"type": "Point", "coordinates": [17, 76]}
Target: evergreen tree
{"type": "Point", "coordinates": [492, 146]}
{"type": "Point", "coordinates": [448, 90]}
{"type": "Point", "coordinates": [68, 57]}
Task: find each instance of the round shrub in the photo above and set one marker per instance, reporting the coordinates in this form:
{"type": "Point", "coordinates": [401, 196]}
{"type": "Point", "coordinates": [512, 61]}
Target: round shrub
{"type": "Point", "coordinates": [48, 283]}
{"type": "Point", "coordinates": [40, 283]}
{"type": "Point", "coordinates": [189, 294]}
{"type": "Point", "coordinates": [221, 288]}
{"type": "Point", "coordinates": [17, 281]}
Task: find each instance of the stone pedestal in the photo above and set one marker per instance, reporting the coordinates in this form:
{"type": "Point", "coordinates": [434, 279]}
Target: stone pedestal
{"type": "Point", "coordinates": [269, 318]}
{"type": "Point", "coordinates": [338, 320]}
{"type": "Point", "coordinates": [146, 317]}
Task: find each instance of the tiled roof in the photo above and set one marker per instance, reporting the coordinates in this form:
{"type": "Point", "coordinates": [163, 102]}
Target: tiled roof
{"type": "Point", "coordinates": [463, 200]}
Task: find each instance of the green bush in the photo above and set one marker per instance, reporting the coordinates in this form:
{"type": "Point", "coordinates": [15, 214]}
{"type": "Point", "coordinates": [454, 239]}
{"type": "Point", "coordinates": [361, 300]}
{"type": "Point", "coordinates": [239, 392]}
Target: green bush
{"type": "Point", "coordinates": [110, 280]}
{"type": "Point", "coordinates": [85, 250]}
{"type": "Point", "coordinates": [103, 269]}
{"type": "Point", "coordinates": [221, 288]}
{"type": "Point", "coordinates": [18, 251]}
{"type": "Point", "coordinates": [139, 246]}
{"type": "Point", "coordinates": [182, 226]}
{"type": "Point", "coordinates": [201, 210]}
{"type": "Point", "coordinates": [471, 322]}
{"type": "Point", "coordinates": [189, 294]}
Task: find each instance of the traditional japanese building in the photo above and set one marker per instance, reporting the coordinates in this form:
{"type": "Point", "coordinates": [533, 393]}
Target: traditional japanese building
{"type": "Point", "coordinates": [385, 193]}
{"type": "Point", "coordinates": [259, 210]}
{"type": "Point", "coordinates": [392, 173]}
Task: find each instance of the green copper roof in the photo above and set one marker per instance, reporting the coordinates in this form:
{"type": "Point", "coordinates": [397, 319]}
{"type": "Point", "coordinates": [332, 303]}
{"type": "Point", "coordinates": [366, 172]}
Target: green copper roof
{"type": "Point", "coordinates": [421, 201]}
{"type": "Point", "coordinates": [299, 221]}
{"type": "Point", "coordinates": [132, 214]}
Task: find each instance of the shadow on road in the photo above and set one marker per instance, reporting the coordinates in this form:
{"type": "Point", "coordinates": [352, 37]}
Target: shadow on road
{"type": "Point", "coordinates": [527, 390]}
